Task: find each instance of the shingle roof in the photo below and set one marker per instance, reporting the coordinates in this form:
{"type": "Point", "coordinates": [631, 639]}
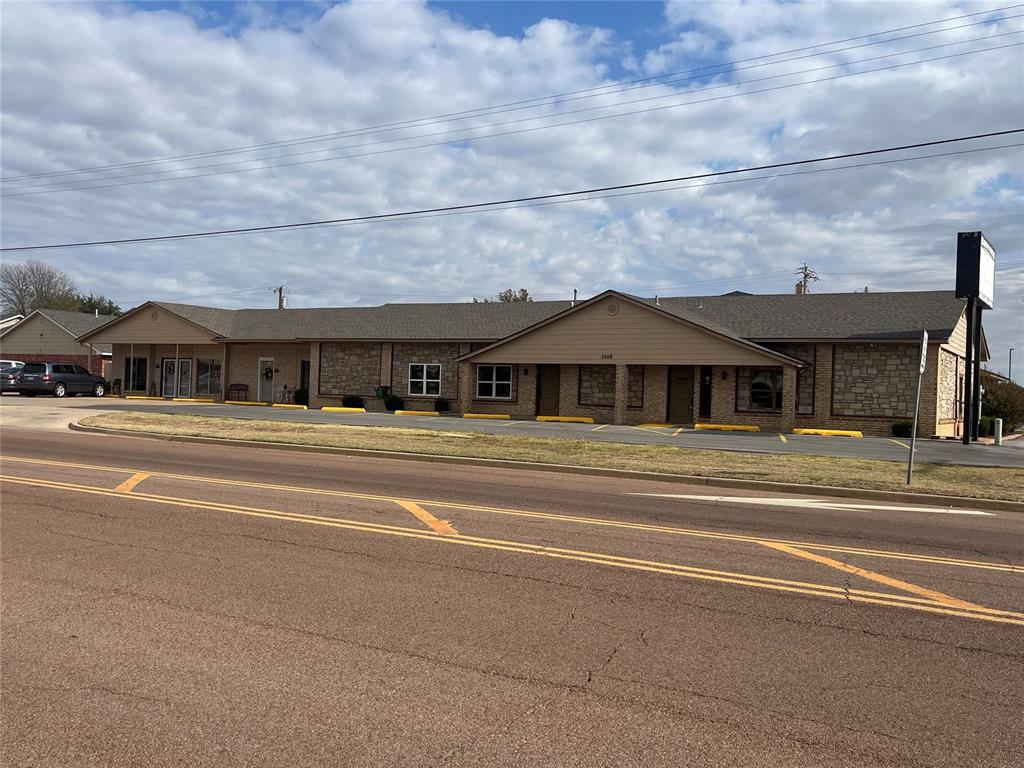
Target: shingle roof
{"type": "Point", "coordinates": [471, 322]}
{"type": "Point", "coordinates": [75, 323]}
{"type": "Point", "coordinates": [897, 315]}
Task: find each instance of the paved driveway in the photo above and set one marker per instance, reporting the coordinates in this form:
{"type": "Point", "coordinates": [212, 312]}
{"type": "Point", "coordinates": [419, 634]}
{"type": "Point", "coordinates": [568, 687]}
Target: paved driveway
{"type": "Point", "coordinates": [38, 411]}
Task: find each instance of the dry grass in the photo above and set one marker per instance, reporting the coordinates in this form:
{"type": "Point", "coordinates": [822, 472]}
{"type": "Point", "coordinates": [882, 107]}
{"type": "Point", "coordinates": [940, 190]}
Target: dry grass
{"type": "Point", "coordinates": [978, 482]}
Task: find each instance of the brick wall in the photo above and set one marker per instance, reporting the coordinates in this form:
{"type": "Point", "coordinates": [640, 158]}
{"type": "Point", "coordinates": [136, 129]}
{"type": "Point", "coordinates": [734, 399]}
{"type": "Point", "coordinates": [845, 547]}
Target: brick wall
{"type": "Point", "coordinates": [523, 404]}
{"type": "Point", "coordinates": [243, 361]}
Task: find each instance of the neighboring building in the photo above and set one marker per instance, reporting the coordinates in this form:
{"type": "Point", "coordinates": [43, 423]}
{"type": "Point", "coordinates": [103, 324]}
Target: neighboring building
{"type": "Point", "coordinates": [778, 361]}
{"type": "Point", "coordinates": [52, 334]}
{"type": "Point", "coordinates": [7, 322]}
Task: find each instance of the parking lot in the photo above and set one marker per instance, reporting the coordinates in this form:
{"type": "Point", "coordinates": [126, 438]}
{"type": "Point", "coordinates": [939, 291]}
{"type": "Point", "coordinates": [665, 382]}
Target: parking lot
{"type": "Point", "coordinates": [58, 413]}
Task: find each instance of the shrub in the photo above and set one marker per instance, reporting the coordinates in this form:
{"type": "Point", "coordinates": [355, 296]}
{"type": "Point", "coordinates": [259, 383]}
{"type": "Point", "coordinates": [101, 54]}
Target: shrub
{"type": "Point", "coordinates": [301, 396]}
{"type": "Point", "coordinates": [985, 426]}
{"type": "Point", "coordinates": [352, 401]}
{"type": "Point", "coordinates": [902, 428]}
{"type": "Point", "coordinates": [441, 404]}
{"type": "Point", "coordinates": [1004, 400]}
{"type": "Point", "coordinates": [393, 403]}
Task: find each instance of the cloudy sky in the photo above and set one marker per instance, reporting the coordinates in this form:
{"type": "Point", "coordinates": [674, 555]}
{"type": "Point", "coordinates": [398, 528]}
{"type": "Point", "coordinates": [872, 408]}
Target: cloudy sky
{"type": "Point", "coordinates": [109, 86]}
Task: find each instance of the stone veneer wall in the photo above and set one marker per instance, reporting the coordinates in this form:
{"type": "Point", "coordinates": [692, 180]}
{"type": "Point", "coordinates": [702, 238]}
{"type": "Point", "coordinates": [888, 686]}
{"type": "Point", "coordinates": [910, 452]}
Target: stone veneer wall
{"type": "Point", "coordinates": [428, 353]}
{"type": "Point", "coordinates": [349, 368]}
{"type": "Point", "coordinates": [597, 386]}
{"type": "Point", "coordinates": [874, 380]}
{"type": "Point", "coordinates": [635, 392]}
{"type": "Point", "coordinates": [949, 397]}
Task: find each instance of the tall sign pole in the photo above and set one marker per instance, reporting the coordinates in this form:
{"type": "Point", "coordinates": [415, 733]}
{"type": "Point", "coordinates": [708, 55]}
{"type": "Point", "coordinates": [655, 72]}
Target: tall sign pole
{"type": "Point", "coordinates": [975, 281]}
{"type": "Point", "coordinates": [917, 405]}
{"type": "Point", "coordinates": [969, 372]}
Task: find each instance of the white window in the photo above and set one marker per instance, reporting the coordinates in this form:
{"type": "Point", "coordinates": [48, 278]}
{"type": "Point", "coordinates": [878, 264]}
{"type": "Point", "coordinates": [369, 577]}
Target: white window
{"type": "Point", "coordinates": [424, 379]}
{"type": "Point", "coordinates": [494, 381]}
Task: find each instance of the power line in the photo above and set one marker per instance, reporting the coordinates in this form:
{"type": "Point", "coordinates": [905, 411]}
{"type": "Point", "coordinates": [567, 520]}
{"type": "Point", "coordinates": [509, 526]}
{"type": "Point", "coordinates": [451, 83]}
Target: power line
{"type": "Point", "coordinates": [523, 130]}
{"type": "Point", "coordinates": [514, 200]}
{"type": "Point", "coordinates": [565, 96]}
{"type": "Point", "coordinates": [465, 139]}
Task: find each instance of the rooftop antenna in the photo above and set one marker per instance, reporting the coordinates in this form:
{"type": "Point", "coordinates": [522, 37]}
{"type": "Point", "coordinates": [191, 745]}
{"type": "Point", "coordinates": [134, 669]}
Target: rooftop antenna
{"type": "Point", "coordinates": [282, 300]}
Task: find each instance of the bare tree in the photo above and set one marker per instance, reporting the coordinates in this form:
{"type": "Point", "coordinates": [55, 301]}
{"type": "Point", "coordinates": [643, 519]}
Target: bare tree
{"type": "Point", "coordinates": [508, 296]}
{"type": "Point", "coordinates": [33, 285]}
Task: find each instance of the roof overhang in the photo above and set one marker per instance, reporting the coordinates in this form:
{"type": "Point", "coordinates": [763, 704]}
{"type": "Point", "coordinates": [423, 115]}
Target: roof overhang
{"type": "Point", "coordinates": [740, 342]}
{"type": "Point", "coordinates": [214, 336]}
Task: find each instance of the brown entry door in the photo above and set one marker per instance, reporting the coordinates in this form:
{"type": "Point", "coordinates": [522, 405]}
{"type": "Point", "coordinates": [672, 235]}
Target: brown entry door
{"type": "Point", "coordinates": [680, 394]}
{"type": "Point", "coordinates": [547, 390]}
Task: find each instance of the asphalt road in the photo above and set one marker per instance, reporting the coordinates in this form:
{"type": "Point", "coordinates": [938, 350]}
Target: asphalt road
{"type": "Point", "coordinates": [1011, 454]}
{"type": "Point", "coordinates": [180, 605]}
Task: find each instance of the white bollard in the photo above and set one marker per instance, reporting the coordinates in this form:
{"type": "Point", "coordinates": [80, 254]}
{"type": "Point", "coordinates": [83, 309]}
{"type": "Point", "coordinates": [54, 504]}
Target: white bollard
{"type": "Point", "coordinates": [997, 431]}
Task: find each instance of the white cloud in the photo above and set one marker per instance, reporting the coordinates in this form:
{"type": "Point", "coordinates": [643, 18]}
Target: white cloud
{"type": "Point", "coordinates": [91, 85]}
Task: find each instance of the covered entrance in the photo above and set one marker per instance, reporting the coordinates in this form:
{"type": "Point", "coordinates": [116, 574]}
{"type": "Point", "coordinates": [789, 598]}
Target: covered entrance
{"type": "Point", "coordinates": [680, 394]}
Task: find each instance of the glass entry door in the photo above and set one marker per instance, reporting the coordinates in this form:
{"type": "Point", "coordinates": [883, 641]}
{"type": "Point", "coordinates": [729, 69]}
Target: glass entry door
{"type": "Point", "coordinates": [169, 369]}
{"type": "Point", "coordinates": [176, 377]}
{"type": "Point", "coordinates": [184, 377]}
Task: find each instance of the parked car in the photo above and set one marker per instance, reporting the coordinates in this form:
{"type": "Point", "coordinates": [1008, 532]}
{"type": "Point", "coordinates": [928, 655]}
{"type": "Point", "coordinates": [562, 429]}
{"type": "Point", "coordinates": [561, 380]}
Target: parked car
{"type": "Point", "coordinates": [9, 378]}
{"type": "Point", "coordinates": [10, 364]}
{"type": "Point", "coordinates": [59, 379]}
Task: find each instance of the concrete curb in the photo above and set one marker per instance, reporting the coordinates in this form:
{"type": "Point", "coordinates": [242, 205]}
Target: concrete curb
{"type": "Point", "coordinates": [956, 502]}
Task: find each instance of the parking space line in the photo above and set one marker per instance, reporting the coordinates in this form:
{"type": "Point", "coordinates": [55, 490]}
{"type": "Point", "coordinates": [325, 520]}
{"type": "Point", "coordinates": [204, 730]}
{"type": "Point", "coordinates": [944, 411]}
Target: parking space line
{"type": "Point", "coordinates": [783, 438]}
{"type": "Point", "coordinates": [600, 427]}
{"type": "Point", "coordinates": [128, 485]}
{"type": "Point", "coordinates": [442, 527]}
{"type": "Point", "coordinates": [704, 574]}
{"type": "Point", "coordinates": [902, 445]}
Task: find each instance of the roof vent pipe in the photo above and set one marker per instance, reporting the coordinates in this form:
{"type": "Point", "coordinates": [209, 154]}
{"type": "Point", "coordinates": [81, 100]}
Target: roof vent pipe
{"type": "Point", "coordinates": [575, 293]}
{"type": "Point", "coordinates": [97, 311]}
{"type": "Point", "coordinates": [657, 303]}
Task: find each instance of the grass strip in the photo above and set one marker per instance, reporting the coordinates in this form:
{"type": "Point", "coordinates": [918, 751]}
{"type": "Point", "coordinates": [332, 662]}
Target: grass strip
{"type": "Point", "coordinates": [970, 482]}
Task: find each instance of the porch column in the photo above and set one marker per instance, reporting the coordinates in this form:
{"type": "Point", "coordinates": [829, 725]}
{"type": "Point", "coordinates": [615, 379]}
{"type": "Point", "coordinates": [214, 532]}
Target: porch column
{"type": "Point", "coordinates": [789, 374]}
{"type": "Point", "coordinates": [467, 385]}
{"type": "Point", "coordinates": [131, 370]}
{"type": "Point", "coordinates": [621, 392]}
{"type": "Point", "coordinates": [224, 373]}
{"type": "Point", "coordinates": [177, 372]}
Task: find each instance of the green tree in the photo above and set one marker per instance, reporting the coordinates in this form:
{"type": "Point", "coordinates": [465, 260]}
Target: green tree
{"type": "Point", "coordinates": [508, 296]}
{"type": "Point", "coordinates": [98, 303]}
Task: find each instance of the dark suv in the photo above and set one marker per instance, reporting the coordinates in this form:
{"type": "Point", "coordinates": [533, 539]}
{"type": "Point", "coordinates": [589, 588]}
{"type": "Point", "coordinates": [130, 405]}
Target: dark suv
{"type": "Point", "coordinates": [59, 379]}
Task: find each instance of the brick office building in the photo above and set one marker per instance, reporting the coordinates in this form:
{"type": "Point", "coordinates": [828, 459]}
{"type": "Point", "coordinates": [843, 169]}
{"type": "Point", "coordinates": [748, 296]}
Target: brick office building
{"type": "Point", "coordinates": [52, 335]}
{"type": "Point", "coordinates": [846, 361]}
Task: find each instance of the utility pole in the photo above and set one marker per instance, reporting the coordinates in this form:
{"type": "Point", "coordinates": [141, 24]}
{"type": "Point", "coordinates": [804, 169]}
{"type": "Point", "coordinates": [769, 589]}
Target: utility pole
{"type": "Point", "coordinates": [1009, 368]}
{"type": "Point", "coordinates": [282, 300]}
{"type": "Point", "coordinates": [806, 275]}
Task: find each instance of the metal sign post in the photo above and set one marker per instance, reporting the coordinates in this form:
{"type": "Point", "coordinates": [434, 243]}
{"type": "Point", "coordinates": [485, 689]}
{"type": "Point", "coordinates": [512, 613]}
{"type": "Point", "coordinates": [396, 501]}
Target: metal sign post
{"type": "Point", "coordinates": [917, 405]}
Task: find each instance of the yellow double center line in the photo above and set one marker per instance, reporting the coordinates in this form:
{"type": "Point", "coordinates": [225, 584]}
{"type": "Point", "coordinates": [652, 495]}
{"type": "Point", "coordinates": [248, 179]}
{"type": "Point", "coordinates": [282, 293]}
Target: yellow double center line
{"type": "Point", "coordinates": [583, 520]}
{"type": "Point", "coordinates": [650, 566]}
